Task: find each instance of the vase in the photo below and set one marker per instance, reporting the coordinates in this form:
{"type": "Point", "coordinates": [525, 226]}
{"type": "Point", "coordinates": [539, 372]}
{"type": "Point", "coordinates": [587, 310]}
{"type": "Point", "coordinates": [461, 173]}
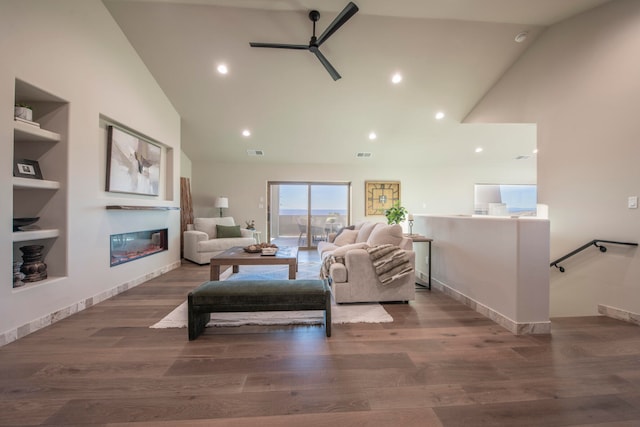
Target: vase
{"type": "Point", "coordinates": [24, 113]}
{"type": "Point", "coordinates": [17, 274]}
{"type": "Point", "coordinates": [33, 267]}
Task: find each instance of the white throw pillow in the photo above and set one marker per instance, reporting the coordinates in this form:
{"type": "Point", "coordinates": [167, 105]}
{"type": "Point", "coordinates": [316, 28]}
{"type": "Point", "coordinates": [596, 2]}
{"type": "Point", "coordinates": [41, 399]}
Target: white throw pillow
{"type": "Point", "coordinates": [365, 231]}
{"type": "Point", "coordinates": [208, 225]}
{"type": "Point", "coordinates": [346, 237]}
{"type": "Point", "coordinates": [342, 250]}
{"type": "Point", "coordinates": [386, 235]}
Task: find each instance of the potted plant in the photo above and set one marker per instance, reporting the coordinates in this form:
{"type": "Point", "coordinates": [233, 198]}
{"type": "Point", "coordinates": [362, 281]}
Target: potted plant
{"type": "Point", "coordinates": [23, 111]}
{"type": "Point", "coordinates": [395, 214]}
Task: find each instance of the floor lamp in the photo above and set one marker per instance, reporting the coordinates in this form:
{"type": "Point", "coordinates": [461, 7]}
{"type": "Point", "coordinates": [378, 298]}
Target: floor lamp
{"type": "Point", "coordinates": [221, 202]}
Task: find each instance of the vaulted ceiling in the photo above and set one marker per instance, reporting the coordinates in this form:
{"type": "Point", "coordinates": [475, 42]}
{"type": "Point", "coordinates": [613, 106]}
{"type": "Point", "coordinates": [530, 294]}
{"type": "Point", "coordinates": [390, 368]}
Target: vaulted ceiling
{"type": "Point", "coordinates": [449, 52]}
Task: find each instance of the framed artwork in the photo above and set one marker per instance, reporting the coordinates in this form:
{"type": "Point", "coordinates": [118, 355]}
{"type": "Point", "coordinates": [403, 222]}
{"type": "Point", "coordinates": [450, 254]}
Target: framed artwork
{"type": "Point", "coordinates": [133, 164]}
{"type": "Point", "coordinates": [380, 196]}
{"type": "Point", "coordinates": [24, 168]}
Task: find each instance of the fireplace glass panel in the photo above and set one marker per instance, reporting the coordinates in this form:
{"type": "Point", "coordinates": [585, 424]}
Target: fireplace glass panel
{"type": "Point", "coordinates": [127, 247]}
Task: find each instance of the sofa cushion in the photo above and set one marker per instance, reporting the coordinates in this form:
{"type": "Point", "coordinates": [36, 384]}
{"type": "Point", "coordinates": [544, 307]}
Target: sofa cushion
{"type": "Point", "coordinates": [364, 231]}
{"type": "Point", "coordinates": [385, 234]}
{"type": "Point", "coordinates": [219, 245]}
{"type": "Point", "coordinates": [342, 250]}
{"type": "Point", "coordinates": [208, 225]}
{"type": "Point", "coordinates": [349, 227]}
{"type": "Point", "coordinates": [225, 231]}
{"type": "Point", "coordinates": [346, 237]}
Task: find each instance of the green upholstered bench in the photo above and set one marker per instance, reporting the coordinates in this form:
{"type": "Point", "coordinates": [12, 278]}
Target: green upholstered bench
{"type": "Point", "coordinates": [257, 295]}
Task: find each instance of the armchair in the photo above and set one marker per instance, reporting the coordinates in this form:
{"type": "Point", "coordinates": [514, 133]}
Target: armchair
{"type": "Point", "coordinates": [203, 241]}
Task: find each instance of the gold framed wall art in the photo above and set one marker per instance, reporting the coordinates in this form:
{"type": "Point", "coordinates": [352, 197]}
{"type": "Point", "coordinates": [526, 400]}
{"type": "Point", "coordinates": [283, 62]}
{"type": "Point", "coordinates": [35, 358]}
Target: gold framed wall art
{"type": "Point", "coordinates": [380, 196]}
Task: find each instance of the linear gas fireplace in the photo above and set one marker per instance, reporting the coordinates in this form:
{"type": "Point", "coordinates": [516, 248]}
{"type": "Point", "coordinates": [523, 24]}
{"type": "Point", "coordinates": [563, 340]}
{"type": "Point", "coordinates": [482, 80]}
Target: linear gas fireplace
{"type": "Point", "coordinates": [127, 247]}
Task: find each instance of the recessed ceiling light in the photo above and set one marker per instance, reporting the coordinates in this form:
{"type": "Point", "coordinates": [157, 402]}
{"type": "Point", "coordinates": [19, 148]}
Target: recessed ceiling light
{"type": "Point", "coordinates": [222, 69]}
{"type": "Point", "coordinates": [246, 132]}
{"type": "Point", "coordinates": [439, 115]}
{"type": "Point", "coordinates": [520, 37]}
{"type": "Point", "coordinates": [372, 136]}
{"type": "Point", "coordinates": [479, 150]}
{"type": "Point", "coordinates": [535, 151]}
{"type": "Point", "coordinates": [396, 78]}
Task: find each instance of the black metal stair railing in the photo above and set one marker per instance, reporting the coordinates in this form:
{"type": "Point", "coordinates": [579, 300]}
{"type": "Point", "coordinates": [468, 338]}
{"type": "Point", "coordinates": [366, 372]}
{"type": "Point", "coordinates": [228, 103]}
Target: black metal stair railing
{"type": "Point", "coordinates": [585, 246]}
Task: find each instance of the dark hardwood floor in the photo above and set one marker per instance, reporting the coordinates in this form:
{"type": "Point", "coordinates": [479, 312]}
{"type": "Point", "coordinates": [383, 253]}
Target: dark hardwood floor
{"type": "Point", "coordinates": [437, 364]}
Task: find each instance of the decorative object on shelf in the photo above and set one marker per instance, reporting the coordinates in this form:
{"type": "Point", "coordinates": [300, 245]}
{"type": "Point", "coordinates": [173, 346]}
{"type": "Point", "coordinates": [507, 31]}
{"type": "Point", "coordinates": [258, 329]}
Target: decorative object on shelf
{"type": "Point", "coordinates": [24, 168]}
{"type": "Point", "coordinates": [221, 202]}
{"type": "Point", "coordinates": [251, 225]}
{"type": "Point", "coordinates": [17, 274]}
{"type": "Point", "coordinates": [410, 219]}
{"type": "Point", "coordinates": [23, 222]}
{"type": "Point", "coordinates": [380, 196]}
{"type": "Point", "coordinates": [23, 112]}
{"type": "Point", "coordinates": [34, 268]}
{"type": "Point", "coordinates": [133, 164]}
{"type": "Point", "coordinates": [395, 214]}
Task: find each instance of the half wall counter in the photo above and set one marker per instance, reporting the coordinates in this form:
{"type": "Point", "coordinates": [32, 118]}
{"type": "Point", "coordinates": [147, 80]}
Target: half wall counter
{"type": "Point", "coordinates": [499, 266]}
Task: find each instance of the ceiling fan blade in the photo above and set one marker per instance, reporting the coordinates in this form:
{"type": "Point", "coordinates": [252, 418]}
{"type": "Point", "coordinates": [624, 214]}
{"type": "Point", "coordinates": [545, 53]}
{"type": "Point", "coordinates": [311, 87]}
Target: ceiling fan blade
{"type": "Point", "coordinates": [349, 10]}
{"type": "Point", "coordinates": [332, 71]}
{"type": "Point", "coordinates": [280, 46]}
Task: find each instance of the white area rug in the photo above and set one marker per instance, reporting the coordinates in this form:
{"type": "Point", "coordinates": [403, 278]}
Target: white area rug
{"type": "Point", "coordinates": [346, 313]}
{"type": "Point", "coordinates": [351, 313]}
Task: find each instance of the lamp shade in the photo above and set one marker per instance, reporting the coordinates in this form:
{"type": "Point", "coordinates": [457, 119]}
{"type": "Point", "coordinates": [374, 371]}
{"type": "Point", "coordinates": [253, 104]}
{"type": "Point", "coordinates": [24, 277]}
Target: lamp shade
{"type": "Point", "coordinates": [221, 202]}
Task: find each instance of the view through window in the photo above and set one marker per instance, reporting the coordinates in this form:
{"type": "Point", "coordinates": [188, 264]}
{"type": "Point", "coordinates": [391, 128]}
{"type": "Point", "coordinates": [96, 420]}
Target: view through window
{"type": "Point", "coordinates": [506, 199]}
{"type": "Point", "coordinates": [306, 213]}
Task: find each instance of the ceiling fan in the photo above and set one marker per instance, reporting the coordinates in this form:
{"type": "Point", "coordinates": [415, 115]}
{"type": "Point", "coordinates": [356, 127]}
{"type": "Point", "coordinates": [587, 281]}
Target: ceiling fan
{"type": "Point", "coordinates": [315, 43]}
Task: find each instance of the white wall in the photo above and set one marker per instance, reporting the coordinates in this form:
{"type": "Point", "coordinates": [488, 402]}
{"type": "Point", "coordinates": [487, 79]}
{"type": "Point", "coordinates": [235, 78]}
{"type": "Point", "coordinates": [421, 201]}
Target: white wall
{"type": "Point", "coordinates": [185, 165]}
{"type": "Point", "coordinates": [443, 189]}
{"type": "Point", "coordinates": [495, 264]}
{"type": "Point", "coordinates": [580, 82]}
{"type": "Point", "coordinates": [74, 50]}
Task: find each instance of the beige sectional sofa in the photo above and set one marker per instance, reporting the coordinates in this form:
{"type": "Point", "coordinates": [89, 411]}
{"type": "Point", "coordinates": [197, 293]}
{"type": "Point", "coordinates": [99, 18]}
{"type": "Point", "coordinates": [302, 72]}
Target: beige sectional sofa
{"type": "Point", "coordinates": [356, 280]}
{"type": "Point", "coordinates": [206, 239]}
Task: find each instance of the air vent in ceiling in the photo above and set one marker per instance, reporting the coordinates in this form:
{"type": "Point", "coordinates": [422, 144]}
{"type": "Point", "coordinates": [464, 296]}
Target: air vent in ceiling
{"type": "Point", "coordinates": [363, 154]}
{"type": "Point", "coordinates": [255, 152]}
{"type": "Point", "coordinates": [522, 157]}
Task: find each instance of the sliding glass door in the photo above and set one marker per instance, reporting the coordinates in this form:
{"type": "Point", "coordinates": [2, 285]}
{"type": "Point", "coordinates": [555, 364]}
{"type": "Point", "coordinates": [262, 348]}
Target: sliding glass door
{"type": "Point", "coordinates": [305, 213]}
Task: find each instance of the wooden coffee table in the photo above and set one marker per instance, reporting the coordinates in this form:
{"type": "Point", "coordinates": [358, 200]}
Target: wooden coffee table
{"type": "Point", "coordinates": [236, 257]}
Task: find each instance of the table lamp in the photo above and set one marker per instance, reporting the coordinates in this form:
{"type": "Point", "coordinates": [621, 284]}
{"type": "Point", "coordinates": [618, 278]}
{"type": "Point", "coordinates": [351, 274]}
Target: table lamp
{"type": "Point", "coordinates": [221, 202]}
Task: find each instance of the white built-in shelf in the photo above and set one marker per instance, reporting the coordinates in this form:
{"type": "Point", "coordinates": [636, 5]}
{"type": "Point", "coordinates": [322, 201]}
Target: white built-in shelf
{"type": "Point", "coordinates": [25, 236]}
{"type": "Point", "coordinates": [35, 184]}
{"type": "Point", "coordinates": [142, 208]}
{"type": "Point", "coordinates": [26, 132]}
{"type": "Point", "coordinates": [32, 285]}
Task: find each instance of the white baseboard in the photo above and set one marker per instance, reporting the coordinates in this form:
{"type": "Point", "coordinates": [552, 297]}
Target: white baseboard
{"type": "Point", "coordinates": [619, 314]}
{"type": "Point", "coordinates": [502, 320]}
{"type": "Point", "coordinates": [49, 319]}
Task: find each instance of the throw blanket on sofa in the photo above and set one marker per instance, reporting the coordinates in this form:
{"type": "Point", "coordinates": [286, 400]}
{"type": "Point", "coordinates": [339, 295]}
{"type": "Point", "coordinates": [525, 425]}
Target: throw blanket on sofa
{"type": "Point", "coordinates": [390, 263]}
{"type": "Point", "coordinates": [326, 265]}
